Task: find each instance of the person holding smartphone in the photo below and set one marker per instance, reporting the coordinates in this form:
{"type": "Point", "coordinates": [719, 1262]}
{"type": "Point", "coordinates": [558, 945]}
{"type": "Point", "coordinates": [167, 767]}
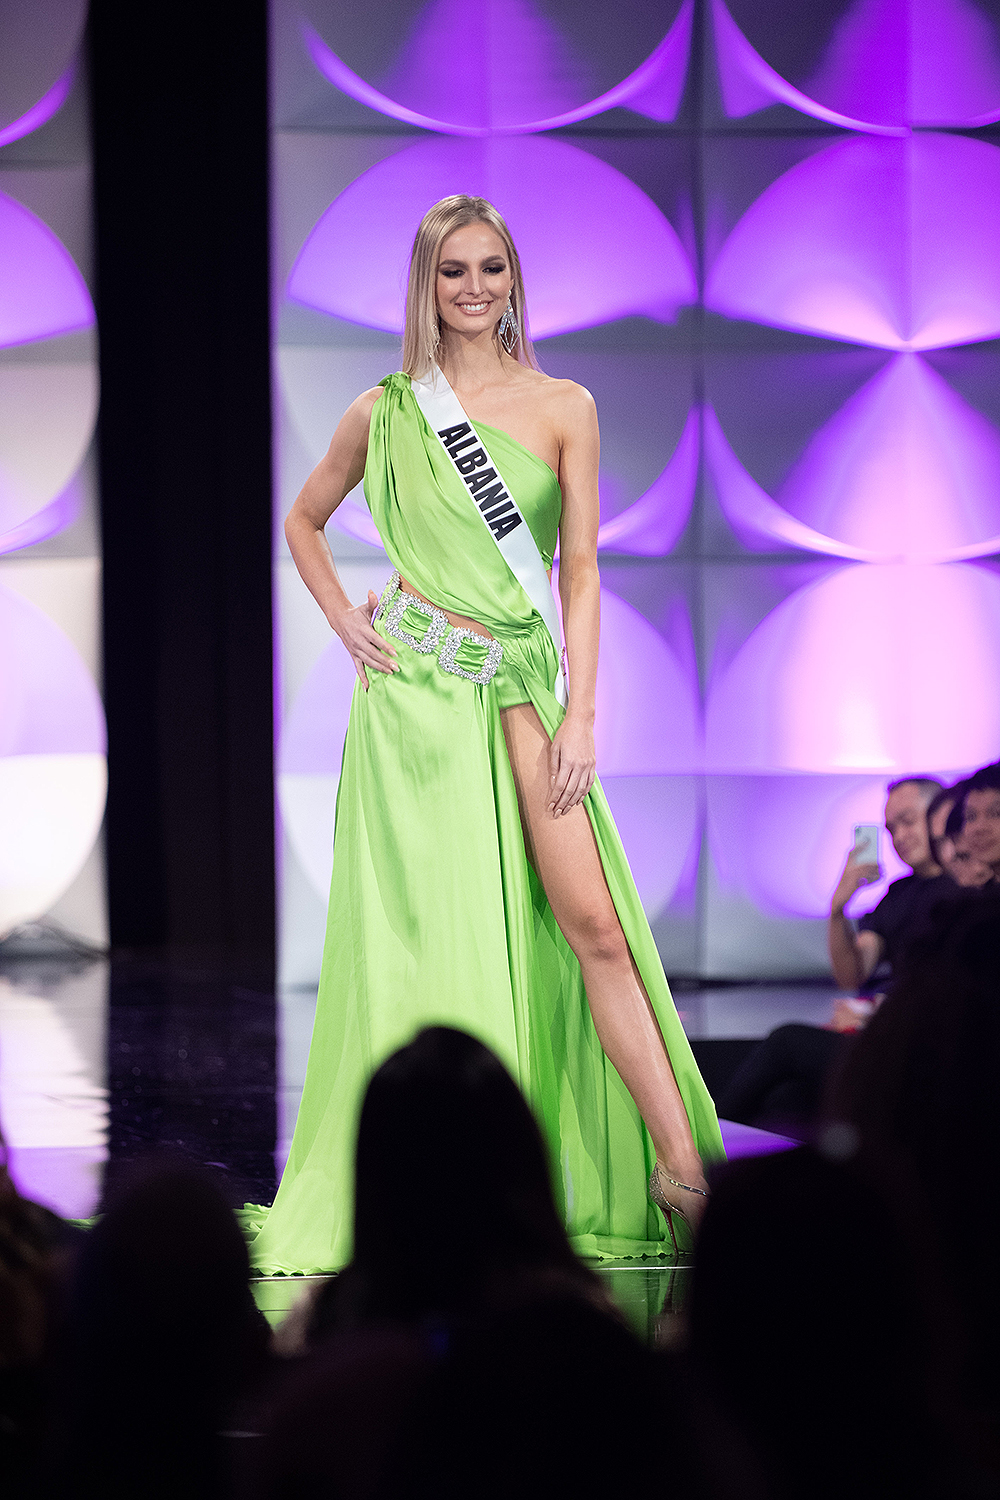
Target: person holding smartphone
{"type": "Point", "coordinates": [780, 1084]}
{"type": "Point", "coordinates": [855, 954]}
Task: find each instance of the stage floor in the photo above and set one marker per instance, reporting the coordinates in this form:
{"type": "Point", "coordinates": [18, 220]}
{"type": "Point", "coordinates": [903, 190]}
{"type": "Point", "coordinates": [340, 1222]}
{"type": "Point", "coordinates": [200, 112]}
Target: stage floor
{"type": "Point", "coordinates": [101, 1064]}
{"type": "Point", "coordinates": [651, 1297]}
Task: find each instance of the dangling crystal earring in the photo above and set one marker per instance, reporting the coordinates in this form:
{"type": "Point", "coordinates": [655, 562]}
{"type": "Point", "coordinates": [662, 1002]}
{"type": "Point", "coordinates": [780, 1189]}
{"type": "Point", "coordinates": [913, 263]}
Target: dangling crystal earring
{"type": "Point", "coordinates": [507, 330]}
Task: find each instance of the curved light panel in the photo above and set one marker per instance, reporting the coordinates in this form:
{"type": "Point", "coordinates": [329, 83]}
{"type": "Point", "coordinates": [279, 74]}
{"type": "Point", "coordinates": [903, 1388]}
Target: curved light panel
{"type": "Point", "coordinates": [49, 104]}
{"type": "Point", "coordinates": [318, 385]}
{"type": "Point", "coordinates": [905, 470]}
{"type": "Point", "coordinates": [659, 819]}
{"type": "Point", "coordinates": [747, 83]}
{"type": "Point", "coordinates": [47, 416]}
{"type": "Point", "coordinates": [651, 526]}
{"type": "Point", "coordinates": [870, 668]}
{"type": "Point", "coordinates": [784, 840]}
{"type": "Point", "coordinates": [886, 63]}
{"type": "Point", "coordinates": [37, 45]}
{"type": "Point", "coordinates": [513, 80]}
{"type": "Point", "coordinates": [48, 521]}
{"type": "Point", "coordinates": [581, 268]}
{"type": "Point", "coordinates": [883, 242]}
{"type": "Point", "coordinates": [52, 766]}
{"type": "Point", "coordinates": [758, 521]}
{"type": "Point", "coordinates": [648, 719]}
{"type": "Point", "coordinates": [41, 291]}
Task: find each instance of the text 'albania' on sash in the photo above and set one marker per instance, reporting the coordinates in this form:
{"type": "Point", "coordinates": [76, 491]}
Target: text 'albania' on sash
{"type": "Point", "coordinates": [484, 483]}
{"type": "Point", "coordinates": [470, 458]}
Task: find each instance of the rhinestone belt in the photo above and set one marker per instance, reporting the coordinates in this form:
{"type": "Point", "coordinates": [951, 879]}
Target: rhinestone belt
{"type": "Point", "coordinates": [441, 635]}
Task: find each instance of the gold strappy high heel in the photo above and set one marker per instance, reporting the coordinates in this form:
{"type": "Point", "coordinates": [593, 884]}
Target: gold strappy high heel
{"type": "Point", "coordinates": [662, 1202]}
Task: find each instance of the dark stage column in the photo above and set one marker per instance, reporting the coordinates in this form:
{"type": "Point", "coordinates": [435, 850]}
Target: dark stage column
{"type": "Point", "coordinates": [180, 157]}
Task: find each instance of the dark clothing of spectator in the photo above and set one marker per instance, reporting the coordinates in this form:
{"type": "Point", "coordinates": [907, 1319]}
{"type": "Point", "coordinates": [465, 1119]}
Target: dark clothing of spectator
{"type": "Point", "coordinates": [544, 1397]}
{"type": "Point", "coordinates": [903, 911]}
{"type": "Point", "coordinates": [780, 1085]}
{"type": "Point", "coordinates": [833, 1376]}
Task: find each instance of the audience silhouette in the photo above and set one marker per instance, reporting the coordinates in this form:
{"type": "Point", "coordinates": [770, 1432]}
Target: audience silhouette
{"type": "Point", "coordinates": [919, 1087]}
{"type": "Point", "coordinates": [163, 1339]}
{"type": "Point", "coordinates": [465, 1341]}
{"type": "Point", "coordinates": [840, 1335]}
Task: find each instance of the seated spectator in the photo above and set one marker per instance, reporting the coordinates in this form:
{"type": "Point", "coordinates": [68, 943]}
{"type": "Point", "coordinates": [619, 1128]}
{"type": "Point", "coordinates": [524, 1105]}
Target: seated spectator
{"type": "Point", "coordinates": [882, 933]}
{"type": "Point", "coordinates": [780, 1085]}
{"type": "Point", "coordinates": [466, 1350]}
{"type": "Point", "coordinates": [164, 1337]}
{"type": "Point", "coordinates": [981, 818]}
{"type": "Point", "coordinates": [920, 1086]}
{"type": "Point", "coordinates": [816, 1340]}
{"type": "Point", "coordinates": [945, 817]}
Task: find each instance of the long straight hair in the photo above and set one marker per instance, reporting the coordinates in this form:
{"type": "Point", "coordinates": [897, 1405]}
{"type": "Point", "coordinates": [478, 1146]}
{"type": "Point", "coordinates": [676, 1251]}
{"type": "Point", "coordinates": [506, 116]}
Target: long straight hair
{"type": "Point", "coordinates": [422, 330]}
{"type": "Point", "coordinates": [473, 1195]}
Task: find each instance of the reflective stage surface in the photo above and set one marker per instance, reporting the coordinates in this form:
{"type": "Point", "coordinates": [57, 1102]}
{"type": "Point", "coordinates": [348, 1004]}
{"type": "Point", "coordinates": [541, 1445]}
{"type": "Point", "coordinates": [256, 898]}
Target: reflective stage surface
{"type": "Point", "coordinates": [102, 1062]}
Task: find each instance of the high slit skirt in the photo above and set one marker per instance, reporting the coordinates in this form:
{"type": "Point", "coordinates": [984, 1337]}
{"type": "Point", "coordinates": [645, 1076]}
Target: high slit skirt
{"type": "Point", "coordinates": [436, 917]}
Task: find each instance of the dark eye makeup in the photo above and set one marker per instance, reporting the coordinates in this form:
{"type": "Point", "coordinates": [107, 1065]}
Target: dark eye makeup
{"type": "Point", "coordinates": [452, 271]}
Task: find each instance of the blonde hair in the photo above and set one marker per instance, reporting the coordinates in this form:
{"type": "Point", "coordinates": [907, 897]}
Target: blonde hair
{"type": "Point", "coordinates": [422, 329]}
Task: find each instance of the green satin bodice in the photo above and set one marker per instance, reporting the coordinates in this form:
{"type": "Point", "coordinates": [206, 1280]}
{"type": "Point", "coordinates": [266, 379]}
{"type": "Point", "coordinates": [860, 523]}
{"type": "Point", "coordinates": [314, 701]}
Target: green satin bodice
{"type": "Point", "coordinates": [429, 525]}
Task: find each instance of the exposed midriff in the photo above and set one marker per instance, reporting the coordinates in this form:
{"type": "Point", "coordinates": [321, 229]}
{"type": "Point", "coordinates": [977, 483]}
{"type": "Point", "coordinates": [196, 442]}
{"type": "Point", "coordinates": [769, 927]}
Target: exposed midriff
{"type": "Point", "coordinates": [462, 621]}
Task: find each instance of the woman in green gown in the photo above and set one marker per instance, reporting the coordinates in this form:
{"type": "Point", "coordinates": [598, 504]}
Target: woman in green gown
{"type": "Point", "coordinates": [478, 877]}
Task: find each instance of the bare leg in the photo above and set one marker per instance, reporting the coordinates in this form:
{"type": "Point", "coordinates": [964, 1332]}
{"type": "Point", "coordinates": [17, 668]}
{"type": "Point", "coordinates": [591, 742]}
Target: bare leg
{"type": "Point", "coordinates": [566, 860]}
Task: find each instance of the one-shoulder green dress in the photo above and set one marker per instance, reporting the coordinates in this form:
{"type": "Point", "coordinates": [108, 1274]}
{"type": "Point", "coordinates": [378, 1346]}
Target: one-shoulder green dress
{"type": "Point", "coordinates": [436, 915]}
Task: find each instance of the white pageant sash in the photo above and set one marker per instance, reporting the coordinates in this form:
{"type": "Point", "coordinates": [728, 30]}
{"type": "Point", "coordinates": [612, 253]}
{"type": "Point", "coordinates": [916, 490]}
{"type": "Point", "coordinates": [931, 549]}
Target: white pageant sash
{"type": "Point", "coordinates": [481, 476]}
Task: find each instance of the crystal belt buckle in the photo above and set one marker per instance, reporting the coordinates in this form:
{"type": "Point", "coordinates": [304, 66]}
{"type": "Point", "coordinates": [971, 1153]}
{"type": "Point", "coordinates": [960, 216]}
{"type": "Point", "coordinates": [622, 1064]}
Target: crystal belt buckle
{"type": "Point", "coordinates": [435, 630]}
{"type": "Point", "coordinates": [449, 651]}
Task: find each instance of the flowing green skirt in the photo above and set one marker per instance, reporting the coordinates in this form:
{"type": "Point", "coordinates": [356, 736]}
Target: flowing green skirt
{"type": "Point", "coordinates": [436, 917]}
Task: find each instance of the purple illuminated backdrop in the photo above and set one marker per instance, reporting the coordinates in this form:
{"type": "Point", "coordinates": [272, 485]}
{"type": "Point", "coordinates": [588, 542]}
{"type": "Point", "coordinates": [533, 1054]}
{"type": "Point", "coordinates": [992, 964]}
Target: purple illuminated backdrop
{"type": "Point", "coordinates": [774, 697]}
{"type": "Point", "coordinates": [52, 736]}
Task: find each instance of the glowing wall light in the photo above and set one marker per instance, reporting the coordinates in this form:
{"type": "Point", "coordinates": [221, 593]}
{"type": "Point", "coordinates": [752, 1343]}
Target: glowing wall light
{"type": "Point", "coordinates": [47, 415]}
{"type": "Point", "coordinates": [651, 526]}
{"type": "Point", "coordinates": [905, 470]}
{"type": "Point", "coordinates": [49, 104]}
{"type": "Point", "coordinates": [747, 83]}
{"type": "Point", "coordinates": [870, 668]}
{"type": "Point", "coordinates": [758, 521]}
{"type": "Point", "coordinates": [648, 719]}
{"type": "Point", "coordinates": [457, 88]}
{"type": "Point", "coordinates": [318, 385]}
{"type": "Point", "coordinates": [891, 243]}
{"type": "Point", "coordinates": [581, 268]}
{"type": "Point", "coordinates": [38, 43]}
{"type": "Point", "coordinates": [41, 291]}
{"type": "Point", "coordinates": [52, 765]}
{"type": "Point", "coordinates": [887, 63]}
{"type": "Point", "coordinates": [784, 840]}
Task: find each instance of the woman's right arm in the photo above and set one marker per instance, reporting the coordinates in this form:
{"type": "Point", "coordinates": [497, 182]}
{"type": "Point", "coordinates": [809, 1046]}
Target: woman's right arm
{"type": "Point", "coordinates": [335, 476]}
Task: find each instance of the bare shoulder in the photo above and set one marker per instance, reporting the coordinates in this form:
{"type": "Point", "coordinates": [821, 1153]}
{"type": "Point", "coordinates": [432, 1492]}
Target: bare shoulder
{"type": "Point", "coordinates": [364, 405]}
{"type": "Point", "coordinates": [569, 403]}
{"type": "Point", "coordinates": [355, 422]}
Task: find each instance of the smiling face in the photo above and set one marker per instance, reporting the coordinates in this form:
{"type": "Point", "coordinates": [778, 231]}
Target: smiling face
{"type": "Point", "coordinates": [474, 281]}
{"type": "Point", "coordinates": [951, 854]}
{"type": "Point", "coordinates": [981, 831]}
{"type": "Point", "coordinates": [906, 820]}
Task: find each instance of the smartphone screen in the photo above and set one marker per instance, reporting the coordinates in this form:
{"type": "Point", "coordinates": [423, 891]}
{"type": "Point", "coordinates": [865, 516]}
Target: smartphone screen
{"type": "Point", "coordinates": [866, 843]}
